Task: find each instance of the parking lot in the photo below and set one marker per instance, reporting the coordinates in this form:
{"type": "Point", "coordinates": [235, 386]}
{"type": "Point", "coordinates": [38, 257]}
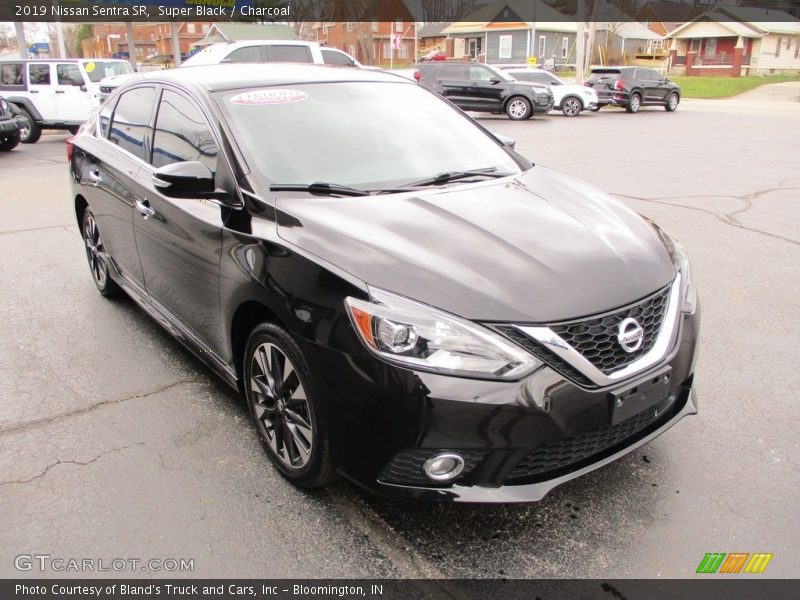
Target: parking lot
{"type": "Point", "coordinates": [116, 443]}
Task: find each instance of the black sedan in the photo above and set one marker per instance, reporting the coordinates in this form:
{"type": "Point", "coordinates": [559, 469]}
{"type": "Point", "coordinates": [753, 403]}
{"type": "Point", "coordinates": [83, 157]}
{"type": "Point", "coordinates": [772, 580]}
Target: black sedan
{"type": "Point", "coordinates": [401, 298]}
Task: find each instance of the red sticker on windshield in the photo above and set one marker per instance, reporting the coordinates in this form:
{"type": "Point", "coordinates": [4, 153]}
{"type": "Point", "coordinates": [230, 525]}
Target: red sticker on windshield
{"type": "Point", "coordinates": [269, 97]}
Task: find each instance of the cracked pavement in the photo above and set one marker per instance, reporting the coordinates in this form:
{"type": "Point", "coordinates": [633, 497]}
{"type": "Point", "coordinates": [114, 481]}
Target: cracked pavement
{"type": "Point", "coordinates": [115, 442]}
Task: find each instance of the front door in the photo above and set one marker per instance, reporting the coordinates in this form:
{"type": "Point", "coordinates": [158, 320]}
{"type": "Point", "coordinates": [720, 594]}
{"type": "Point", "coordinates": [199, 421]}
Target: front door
{"type": "Point", "coordinates": [71, 94]}
{"type": "Point", "coordinates": [41, 89]}
{"type": "Point", "coordinates": [180, 239]}
{"type": "Point", "coordinates": [654, 85]}
{"type": "Point", "coordinates": [485, 94]}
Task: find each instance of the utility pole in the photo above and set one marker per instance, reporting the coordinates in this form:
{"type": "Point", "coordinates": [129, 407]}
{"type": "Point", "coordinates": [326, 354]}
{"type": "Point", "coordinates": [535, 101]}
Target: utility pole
{"type": "Point", "coordinates": [176, 44]}
{"type": "Point", "coordinates": [131, 44]}
{"type": "Point", "coordinates": [21, 45]}
{"type": "Point", "coordinates": [62, 49]}
{"type": "Point", "coordinates": [580, 42]}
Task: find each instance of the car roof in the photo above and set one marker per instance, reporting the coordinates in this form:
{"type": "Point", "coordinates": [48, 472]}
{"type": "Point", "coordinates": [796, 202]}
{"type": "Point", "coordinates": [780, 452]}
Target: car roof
{"type": "Point", "coordinates": [212, 78]}
{"type": "Point", "coordinates": [61, 60]}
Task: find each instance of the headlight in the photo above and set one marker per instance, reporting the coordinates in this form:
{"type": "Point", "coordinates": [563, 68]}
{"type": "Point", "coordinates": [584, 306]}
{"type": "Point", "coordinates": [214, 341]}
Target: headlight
{"type": "Point", "coordinates": [680, 258]}
{"type": "Point", "coordinates": [421, 337]}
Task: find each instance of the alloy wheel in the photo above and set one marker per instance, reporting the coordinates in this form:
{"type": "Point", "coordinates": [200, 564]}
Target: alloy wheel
{"type": "Point", "coordinates": [517, 109]}
{"type": "Point", "coordinates": [634, 103]}
{"type": "Point", "coordinates": [673, 101]}
{"type": "Point", "coordinates": [95, 251]}
{"type": "Point", "coordinates": [281, 406]}
{"type": "Point", "coordinates": [571, 107]}
{"type": "Point", "coordinates": [25, 132]}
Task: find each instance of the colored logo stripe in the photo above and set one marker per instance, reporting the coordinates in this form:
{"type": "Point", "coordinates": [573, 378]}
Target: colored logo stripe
{"type": "Point", "coordinates": [734, 562]}
{"type": "Point", "coordinates": [758, 562]}
{"type": "Point", "coordinates": [711, 562]}
{"type": "Point", "coordinates": [716, 561]}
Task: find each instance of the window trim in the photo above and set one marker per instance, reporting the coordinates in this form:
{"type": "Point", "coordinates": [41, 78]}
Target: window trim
{"type": "Point", "coordinates": [147, 139]}
{"type": "Point", "coordinates": [510, 51]}
{"type": "Point", "coordinates": [565, 47]}
{"type": "Point", "coordinates": [542, 50]}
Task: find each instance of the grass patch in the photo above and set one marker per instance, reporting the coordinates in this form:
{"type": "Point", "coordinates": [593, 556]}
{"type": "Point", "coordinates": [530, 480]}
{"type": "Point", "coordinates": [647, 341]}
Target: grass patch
{"type": "Point", "coordinates": [725, 87]}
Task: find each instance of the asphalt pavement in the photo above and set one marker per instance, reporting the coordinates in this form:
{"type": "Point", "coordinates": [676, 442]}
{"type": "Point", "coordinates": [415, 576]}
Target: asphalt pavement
{"type": "Point", "coordinates": [116, 443]}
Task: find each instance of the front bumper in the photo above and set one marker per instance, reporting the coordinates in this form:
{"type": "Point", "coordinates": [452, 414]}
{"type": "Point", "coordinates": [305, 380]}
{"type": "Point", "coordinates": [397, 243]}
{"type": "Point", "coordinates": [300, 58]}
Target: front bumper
{"type": "Point", "coordinates": [11, 125]}
{"type": "Point", "coordinates": [385, 421]}
{"type": "Point", "coordinates": [543, 105]}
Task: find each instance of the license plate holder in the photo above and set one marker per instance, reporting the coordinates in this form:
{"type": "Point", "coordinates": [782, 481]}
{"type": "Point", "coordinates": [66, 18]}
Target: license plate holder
{"type": "Point", "coordinates": [640, 396]}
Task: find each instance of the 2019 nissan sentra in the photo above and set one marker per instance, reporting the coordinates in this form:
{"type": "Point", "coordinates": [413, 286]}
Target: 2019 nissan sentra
{"type": "Point", "coordinates": [401, 298]}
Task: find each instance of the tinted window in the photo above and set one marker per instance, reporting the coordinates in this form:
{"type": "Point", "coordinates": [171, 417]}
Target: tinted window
{"type": "Point", "coordinates": [480, 74]}
{"type": "Point", "coordinates": [130, 129]}
{"type": "Point", "coordinates": [453, 72]}
{"type": "Point", "coordinates": [298, 54]}
{"type": "Point", "coordinates": [11, 74]}
{"type": "Point", "coordinates": [98, 69]}
{"type": "Point", "coordinates": [182, 134]}
{"type": "Point", "coordinates": [649, 74]}
{"type": "Point", "coordinates": [534, 77]}
{"type": "Point", "coordinates": [105, 119]}
{"type": "Point", "coordinates": [68, 75]}
{"type": "Point", "coordinates": [331, 57]}
{"type": "Point", "coordinates": [248, 54]}
{"type": "Point", "coordinates": [39, 74]}
{"type": "Point", "coordinates": [604, 75]}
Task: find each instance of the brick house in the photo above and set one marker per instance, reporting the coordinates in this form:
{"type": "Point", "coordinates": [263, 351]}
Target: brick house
{"type": "Point", "coordinates": [731, 41]}
{"type": "Point", "coordinates": [110, 39]}
{"type": "Point", "coordinates": [189, 33]}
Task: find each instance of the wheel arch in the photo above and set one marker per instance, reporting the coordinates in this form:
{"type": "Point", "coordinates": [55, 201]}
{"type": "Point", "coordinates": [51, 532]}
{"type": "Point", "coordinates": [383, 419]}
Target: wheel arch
{"type": "Point", "coordinates": [576, 97]}
{"type": "Point", "coordinates": [245, 318]}
{"type": "Point", "coordinates": [80, 207]}
{"type": "Point", "coordinates": [517, 95]}
{"type": "Point", "coordinates": [22, 102]}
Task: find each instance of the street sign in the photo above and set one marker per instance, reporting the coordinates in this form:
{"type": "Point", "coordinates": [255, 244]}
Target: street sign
{"type": "Point", "coordinates": [397, 41]}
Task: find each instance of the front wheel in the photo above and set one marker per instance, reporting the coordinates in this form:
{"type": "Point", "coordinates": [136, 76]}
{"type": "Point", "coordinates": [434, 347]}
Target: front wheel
{"type": "Point", "coordinates": [634, 104]}
{"type": "Point", "coordinates": [97, 256]}
{"type": "Point", "coordinates": [31, 133]}
{"type": "Point", "coordinates": [518, 109]}
{"type": "Point", "coordinates": [571, 107]}
{"type": "Point", "coordinates": [286, 407]}
{"type": "Point", "coordinates": [672, 102]}
{"type": "Point", "coordinates": [9, 143]}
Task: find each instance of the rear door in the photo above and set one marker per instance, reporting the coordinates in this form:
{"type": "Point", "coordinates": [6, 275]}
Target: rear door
{"type": "Point", "coordinates": [40, 86]}
{"type": "Point", "coordinates": [71, 93]}
{"type": "Point", "coordinates": [180, 239]}
{"type": "Point", "coordinates": [452, 82]}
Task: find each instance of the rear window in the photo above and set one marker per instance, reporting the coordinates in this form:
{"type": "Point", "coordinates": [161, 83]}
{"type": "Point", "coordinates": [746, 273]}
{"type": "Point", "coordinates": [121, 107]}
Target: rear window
{"type": "Point", "coordinates": [11, 74]}
{"type": "Point", "coordinates": [608, 74]}
{"type": "Point", "coordinates": [332, 57]}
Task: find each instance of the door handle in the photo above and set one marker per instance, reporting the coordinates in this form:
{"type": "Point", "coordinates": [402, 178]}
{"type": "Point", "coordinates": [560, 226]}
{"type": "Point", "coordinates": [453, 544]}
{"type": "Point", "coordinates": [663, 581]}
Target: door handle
{"type": "Point", "coordinates": [143, 206]}
{"type": "Point", "coordinates": [95, 176]}
{"type": "Point", "coordinates": [60, 92]}
{"type": "Point", "coordinates": [34, 91]}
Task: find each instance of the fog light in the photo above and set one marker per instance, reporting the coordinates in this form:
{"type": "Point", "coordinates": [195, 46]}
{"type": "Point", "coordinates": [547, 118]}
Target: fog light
{"type": "Point", "coordinates": [443, 467]}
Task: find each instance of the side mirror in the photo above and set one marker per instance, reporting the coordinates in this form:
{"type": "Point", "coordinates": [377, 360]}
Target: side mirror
{"type": "Point", "coordinates": [494, 80]}
{"type": "Point", "coordinates": [191, 179]}
{"type": "Point", "coordinates": [506, 141]}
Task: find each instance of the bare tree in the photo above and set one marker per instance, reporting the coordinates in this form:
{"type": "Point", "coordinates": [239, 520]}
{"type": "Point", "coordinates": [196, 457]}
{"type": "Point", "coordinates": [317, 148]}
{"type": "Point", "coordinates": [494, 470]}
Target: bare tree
{"type": "Point", "coordinates": [439, 11]}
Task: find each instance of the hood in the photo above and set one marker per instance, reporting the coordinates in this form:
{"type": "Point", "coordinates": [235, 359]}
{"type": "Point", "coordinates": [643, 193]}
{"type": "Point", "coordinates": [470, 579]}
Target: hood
{"type": "Point", "coordinates": [118, 80]}
{"type": "Point", "coordinates": [537, 87]}
{"type": "Point", "coordinates": [539, 247]}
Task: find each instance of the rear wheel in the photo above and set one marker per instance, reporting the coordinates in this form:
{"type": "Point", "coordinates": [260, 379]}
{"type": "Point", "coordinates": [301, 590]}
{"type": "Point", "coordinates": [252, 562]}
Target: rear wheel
{"type": "Point", "coordinates": [518, 108]}
{"type": "Point", "coordinates": [285, 407]}
{"type": "Point", "coordinates": [97, 256]}
{"type": "Point", "coordinates": [31, 133]}
{"type": "Point", "coordinates": [9, 143]}
{"type": "Point", "coordinates": [672, 102]}
{"type": "Point", "coordinates": [634, 104]}
{"type": "Point", "coordinates": [571, 106]}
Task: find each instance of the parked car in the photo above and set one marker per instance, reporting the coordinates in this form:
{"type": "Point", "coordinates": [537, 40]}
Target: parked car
{"type": "Point", "coordinates": [12, 125]}
{"type": "Point", "coordinates": [433, 55]}
{"type": "Point", "coordinates": [253, 51]}
{"type": "Point", "coordinates": [569, 98]}
{"type": "Point", "coordinates": [410, 304]}
{"type": "Point", "coordinates": [479, 87]}
{"type": "Point", "coordinates": [633, 87]}
{"type": "Point", "coordinates": [55, 94]}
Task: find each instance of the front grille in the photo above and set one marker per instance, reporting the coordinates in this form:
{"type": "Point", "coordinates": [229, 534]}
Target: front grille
{"type": "Point", "coordinates": [596, 338]}
{"type": "Point", "coordinates": [406, 467]}
{"type": "Point", "coordinates": [555, 456]}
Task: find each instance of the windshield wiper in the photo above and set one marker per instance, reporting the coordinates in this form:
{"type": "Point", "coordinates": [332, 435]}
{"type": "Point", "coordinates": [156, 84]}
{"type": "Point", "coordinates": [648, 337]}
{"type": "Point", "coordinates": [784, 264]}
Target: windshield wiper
{"type": "Point", "coordinates": [448, 176]}
{"type": "Point", "coordinates": [319, 188]}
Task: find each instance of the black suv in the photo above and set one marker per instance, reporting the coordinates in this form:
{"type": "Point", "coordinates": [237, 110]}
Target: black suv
{"type": "Point", "coordinates": [11, 124]}
{"type": "Point", "coordinates": [472, 86]}
{"type": "Point", "coordinates": [634, 87]}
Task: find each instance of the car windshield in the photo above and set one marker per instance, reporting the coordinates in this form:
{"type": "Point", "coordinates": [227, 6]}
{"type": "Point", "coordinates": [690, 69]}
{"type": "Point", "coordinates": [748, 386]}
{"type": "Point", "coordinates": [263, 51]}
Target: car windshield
{"type": "Point", "coordinates": [100, 69]}
{"type": "Point", "coordinates": [358, 134]}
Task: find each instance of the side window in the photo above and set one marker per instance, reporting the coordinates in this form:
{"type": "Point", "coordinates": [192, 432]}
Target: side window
{"type": "Point", "coordinates": [105, 120]}
{"type": "Point", "coordinates": [655, 75]}
{"type": "Point", "coordinates": [39, 74]}
{"type": "Point", "coordinates": [131, 123]}
{"type": "Point", "coordinates": [11, 74]}
{"type": "Point", "coordinates": [332, 57]}
{"type": "Point", "coordinates": [480, 74]}
{"type": "Point", "coordinates": [69, 74]}
{"type": "Point", "coordinates": [182, 134]}
{"type": "Point", "coordinates": [248, 54]}
{"type": "Point", "coordinates": [290, 54]}
{"type": "Point", "coordinates": [453, 72]}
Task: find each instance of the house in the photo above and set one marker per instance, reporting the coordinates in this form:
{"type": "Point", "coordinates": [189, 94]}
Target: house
{"type": "Point", "coordinates": [369, 39]}
{"type": "Point", "coordinates": [512, 31]}
{"type": "Point", "coordinates": [189, 33]}
{"type": "Point", "coordinates": [664, 17]}
{"type": "Point", "coordinates": [737, 40]}
{"type": "Point", "coordinates": [626, 42]}
{"type": "Point", "coordinates": [431, 36]}
{"type": "Point", "coordinates": [110, 40]}
{"type": "Point", "coordinates": [232, 32]}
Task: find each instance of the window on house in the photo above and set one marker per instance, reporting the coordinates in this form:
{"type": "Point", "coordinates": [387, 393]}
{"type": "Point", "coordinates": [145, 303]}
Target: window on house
{"type": "Point", "coordinates": [349, 26]}
{"type": "Point", "coordinates": [542, 46]}
{"type": "Point", "coordinates": [505, 47]}
{"type": "Point", "coordinates": [778, 48]}
{"type": "Point", "coordinates": [402, 51]}
{"type": "Point", "coordinates": [797, 50]}
{"type": "Point", "coordinates": [711, 47]}
{"type": "Point", "coordinates": [374, 25]}
{"type": "Point", "coordinates": [398, 26]}
{"type": "Point", "coordinates": [694, 45]}
{"type": "Point", "coordinates": [190, 28]}
{"type": "Point", "coordinates": [564, 47]}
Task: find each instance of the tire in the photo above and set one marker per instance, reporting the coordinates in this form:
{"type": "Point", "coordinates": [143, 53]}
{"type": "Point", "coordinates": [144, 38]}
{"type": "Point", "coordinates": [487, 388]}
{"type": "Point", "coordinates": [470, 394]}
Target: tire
{"type": "Point", "coordinates": [672, 102]}
{"type": "Point", "coordinates": [286, 407]}
{"type": "Point", "coordinates": [73, 130]}
{"type": "Point", "coordinates": [634, 103]}
{"type": "Point", "coordinates": [9, 143]}
{"type": "Point", "coordinates": [31, 133]}
{"type": "Point", "coordinates": [97, 256]}
{"type": "Point", "coordinates": [571, 106]}
{"type": "Point", "coordinates": [518, 108]}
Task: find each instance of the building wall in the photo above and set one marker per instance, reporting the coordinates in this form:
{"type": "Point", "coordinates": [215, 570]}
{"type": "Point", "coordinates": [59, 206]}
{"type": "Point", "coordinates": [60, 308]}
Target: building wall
{"type": "Point", "coordinates": [519, 46]}
{"type": "Point", "coordinates": [788, 59]}
{"type": "Point", "coordinates": [356, 37]}
{"type": "Point", "coordinates": [553, 47]}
